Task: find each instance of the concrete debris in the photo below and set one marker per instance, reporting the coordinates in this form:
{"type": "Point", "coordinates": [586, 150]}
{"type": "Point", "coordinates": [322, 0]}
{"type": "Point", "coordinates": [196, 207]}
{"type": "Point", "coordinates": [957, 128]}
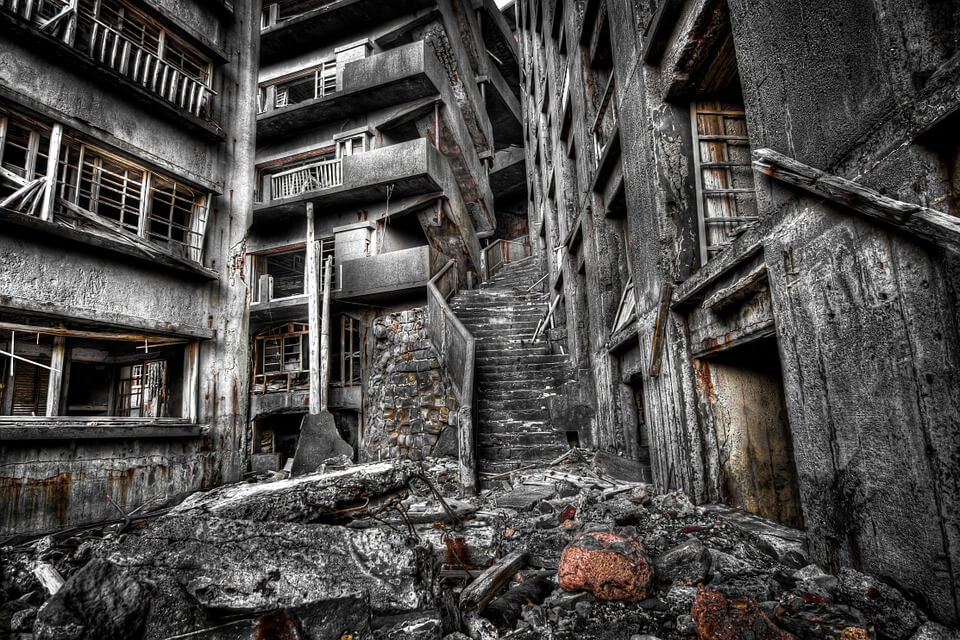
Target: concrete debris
{"type": "Point", "coordinates": [576, 557]}
{"type": "Point", "coordinates": [318, 441]}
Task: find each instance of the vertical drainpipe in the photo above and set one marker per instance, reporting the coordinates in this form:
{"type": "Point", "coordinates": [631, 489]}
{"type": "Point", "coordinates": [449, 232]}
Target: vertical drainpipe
{"type": "Point", "coordinates": [436, 142]}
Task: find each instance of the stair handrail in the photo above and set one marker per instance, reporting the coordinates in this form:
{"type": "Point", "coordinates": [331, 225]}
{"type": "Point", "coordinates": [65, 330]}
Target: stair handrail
{"type": "Point", "coordinates": [498, 253]}
{"type": "Point", "coordinates": [456, 351]}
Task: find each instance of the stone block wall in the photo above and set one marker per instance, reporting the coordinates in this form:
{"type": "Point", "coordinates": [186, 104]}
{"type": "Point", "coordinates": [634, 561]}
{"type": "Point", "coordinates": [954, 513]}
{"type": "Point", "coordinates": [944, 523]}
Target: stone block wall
{"type": "Point", "coordinates": [408, 400]}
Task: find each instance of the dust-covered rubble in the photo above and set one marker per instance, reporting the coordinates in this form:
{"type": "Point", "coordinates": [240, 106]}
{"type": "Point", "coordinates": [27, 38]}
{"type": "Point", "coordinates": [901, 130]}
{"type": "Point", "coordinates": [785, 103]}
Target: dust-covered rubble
{"type": "Point", "coordinates": [388, 550]}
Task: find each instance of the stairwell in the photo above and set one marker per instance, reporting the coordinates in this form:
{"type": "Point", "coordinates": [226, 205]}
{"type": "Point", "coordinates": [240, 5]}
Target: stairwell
{"type": "Point", "coordinates": [515, 378]}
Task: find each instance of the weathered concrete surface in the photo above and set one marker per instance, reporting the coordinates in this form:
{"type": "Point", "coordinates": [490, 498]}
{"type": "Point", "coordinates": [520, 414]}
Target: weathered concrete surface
{"type": "Point", "coordinates": [248, 566]}
{"type": "Point", "coordinates": [318, 441]}
{"type": "Point", "coordinates": [301, 499]}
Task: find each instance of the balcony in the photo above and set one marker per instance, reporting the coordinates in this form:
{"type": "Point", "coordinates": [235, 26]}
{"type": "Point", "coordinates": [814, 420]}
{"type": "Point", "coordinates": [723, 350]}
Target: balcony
{"type": "Point", "coordinates": [387, 277]}
{"type": "Point", "coordinates": [394, 77]}
{"type": "Point", "coordinates": [412, 168]}
{"type": "Point", "coordinates": [67, 33]}
{"type": "Point", "coordinates": [297, 26]}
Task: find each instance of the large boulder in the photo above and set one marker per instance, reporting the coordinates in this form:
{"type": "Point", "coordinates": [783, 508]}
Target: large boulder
{"type": "Point", "coordinates": [101, 601]}
{"type": "Point", "coordinates": [893, 615]}
{"type": "Point", "coordinates": [311, 498]}
{"type": "Point", "coordinates": [716, 617]}
{"type": "Point", "coordinates": [685, 564]}
{"type": "Point", "coordinates": [609, 565]}
{"type": "Point", "coordinates": [245, 566]}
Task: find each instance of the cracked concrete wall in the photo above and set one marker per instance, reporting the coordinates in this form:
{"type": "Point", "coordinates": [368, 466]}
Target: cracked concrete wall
{"type": "Point", "coordinates": [49, 484]}
{"type": "Point", "coordinates": [865, 318]}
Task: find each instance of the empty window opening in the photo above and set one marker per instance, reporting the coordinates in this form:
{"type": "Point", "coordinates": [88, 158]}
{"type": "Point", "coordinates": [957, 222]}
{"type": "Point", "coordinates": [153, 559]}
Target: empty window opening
{"type": "Point", "coordinates": [747, 406]}
{"type": "Point", "coordinates": [281, 358]}
{"type": "Point", "coordinates": [347, 361]}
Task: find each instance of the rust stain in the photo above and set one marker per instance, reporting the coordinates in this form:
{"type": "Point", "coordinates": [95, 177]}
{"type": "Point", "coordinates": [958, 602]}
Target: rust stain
{"type": "Point", "coordinates": [704, 380]}
{"type": "Point", "coordinates": [458, 554]}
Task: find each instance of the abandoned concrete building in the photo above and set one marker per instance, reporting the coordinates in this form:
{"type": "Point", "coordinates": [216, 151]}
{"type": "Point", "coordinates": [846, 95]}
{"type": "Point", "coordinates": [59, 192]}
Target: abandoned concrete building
{"type": "Point", "coordinates": [712, 242]}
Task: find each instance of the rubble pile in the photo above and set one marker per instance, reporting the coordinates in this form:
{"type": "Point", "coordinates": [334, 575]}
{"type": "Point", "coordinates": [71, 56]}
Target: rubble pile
{"type": "Point", "coordinates": [388, 550]}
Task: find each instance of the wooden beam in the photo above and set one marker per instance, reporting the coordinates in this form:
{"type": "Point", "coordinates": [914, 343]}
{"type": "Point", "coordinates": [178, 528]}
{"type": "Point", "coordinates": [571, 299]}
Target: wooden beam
{"type": "Point", "coordinates": [325, 335]}
{"type": "Point", "coordinates": [53, 431]}
{"type": "Point", "coordinates": [56, 375]}
{"type": "Point", "coordinates": [484, 589]}
{"type": "Point", "coordinates": [158, 341]}
{"type": "Point", "coordinates": [920, 222]}
{"type": "Point", "coordinates": [660, 328]}
{"type": "Point", "coordinates": [191, 382]}
{"type": "Point", "coordinates": [738, 290]}
{"type": "Point", "coordinates": [313, 313]}
{"type": "Point", "coordinates": [53, 155]}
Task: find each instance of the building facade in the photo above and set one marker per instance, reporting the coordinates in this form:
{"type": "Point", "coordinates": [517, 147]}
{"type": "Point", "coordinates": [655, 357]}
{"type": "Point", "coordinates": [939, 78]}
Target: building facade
{"type": "Point", "coordinates": [399, 123]}
{"type": "Point", "coordinates": [747, 211]}
{"type": "Point", "coordinates": [126, 165]}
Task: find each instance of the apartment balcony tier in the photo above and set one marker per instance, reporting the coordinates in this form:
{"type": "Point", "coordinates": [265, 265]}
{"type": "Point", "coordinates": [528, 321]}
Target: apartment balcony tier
{"type": "Point", "coordinates": [394, 77]}
{"type": "Point", "coordinates": [111, 57]}
{"type": "Point", "coordinates": [408, 168]}
{"type": "Point", "coordinates": [298, 31]}
{"type": "Point", "coordinates": [380, 279]}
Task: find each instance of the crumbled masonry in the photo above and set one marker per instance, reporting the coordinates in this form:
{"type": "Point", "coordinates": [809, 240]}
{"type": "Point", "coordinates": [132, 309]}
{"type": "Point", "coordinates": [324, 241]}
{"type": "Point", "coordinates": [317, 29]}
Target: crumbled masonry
{"type": "Point", "coordinates": [589, 557]}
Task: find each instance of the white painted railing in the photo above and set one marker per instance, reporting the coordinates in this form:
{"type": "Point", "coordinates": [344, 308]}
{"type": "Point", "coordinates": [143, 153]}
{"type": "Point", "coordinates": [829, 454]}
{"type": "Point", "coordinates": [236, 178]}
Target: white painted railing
{"type": "Point", "coordinates": [112, 49]}
{"type": "Point", "coordinates": [312, 177]}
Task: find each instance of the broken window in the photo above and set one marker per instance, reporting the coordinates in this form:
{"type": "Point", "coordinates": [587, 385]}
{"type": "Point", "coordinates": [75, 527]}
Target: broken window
{"type": "Point", "coordinates": [96, 377]}
{"type": "Point", "coordinates": [281, 358]}
{"type": "Point", "coordinates": [726, 199]}
{"type": "Point", "coordinates": [301, 86]}
{"type": "Point", "coordinates": [347, 366]}
{"type": "Point", "coordinates": [352, 145]}
{"type": "Point", "coordinates": [143, 202]}
{"type": "Point", "coordinates": [24, 145]}
{"type": "Point", "coordinates": [286, 271]}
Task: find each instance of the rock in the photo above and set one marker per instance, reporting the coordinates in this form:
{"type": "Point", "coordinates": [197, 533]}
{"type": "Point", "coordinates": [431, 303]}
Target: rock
{"type": "Point", "coordinates": [934, 631]}
{"type": "Point", "coordinates": [812, 580]}
{"type": "Point", "coordinates": [676, 505]}
{"type": "Point", "coordinates": [524, 497]}
{"type": "Point", "coordinates": [304, 499]}
{"type": "Point", "coordinates": [620, 512]}
{"type": "Point", "coordinates": [101, 601]}
{"type": "Point", "coordinates": [645, 636]}
{"type": "Point", "coordinates": [823, 621]}
{"type": "Point", "coordinates": [681, 598]}
{"type": "Point", "coordinates": [715, 617]}
{"type": "Point", "coordinates": [419, 628]}
{"type": "Point", "coordinates": [750, 585]}
{"type": "Point", "coordinates": [23, 620]}
{"type": "Point", "coordinates": [242, 566]}
{"type": "Point", "coordinates": [611, 566]}
{"type": "Point", "coordinates": [685, 625]}
{"type": "Point", "coordinates": [685, 564]}
{"type": "Point", "coordinates": [893, 615]}
{"type": "Point", "coordinates": [641, 495]}
{"type": "Point", "coordinates": [620, 468]}
{"type": "Point", "coordinates": [318, 441]}
{"type": "Point", "coordinates": [723, 565]}
{"type": "Point", "coordinates": [505, 610]}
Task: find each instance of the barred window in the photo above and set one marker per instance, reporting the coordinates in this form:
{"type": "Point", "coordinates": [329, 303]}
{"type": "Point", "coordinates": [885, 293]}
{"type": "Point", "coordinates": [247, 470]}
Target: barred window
{"type": "Point", "coordinates": [110, 188]}
{"type": "Point", "coordinates": [24, 145]}
{"type": "Point", "coordinates": [174, 212]}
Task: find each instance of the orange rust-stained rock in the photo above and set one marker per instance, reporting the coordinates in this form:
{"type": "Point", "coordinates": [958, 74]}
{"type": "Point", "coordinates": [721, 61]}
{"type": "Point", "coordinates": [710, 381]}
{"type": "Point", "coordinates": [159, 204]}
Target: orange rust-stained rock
{"type": "Point", "coordinates": [716, 617]}
{"type": "Point", "coordinates": [611, 566]}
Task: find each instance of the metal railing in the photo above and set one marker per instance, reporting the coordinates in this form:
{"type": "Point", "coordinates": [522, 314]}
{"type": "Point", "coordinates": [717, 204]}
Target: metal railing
{"type": "Point", "coordinates": [501, 252]}
{"type": "Point", "coordinates": [312, 177]}
{"type": "Point", "coordinates": [456, 350]}
{"type": "Point", "coordinates": [112, 49]}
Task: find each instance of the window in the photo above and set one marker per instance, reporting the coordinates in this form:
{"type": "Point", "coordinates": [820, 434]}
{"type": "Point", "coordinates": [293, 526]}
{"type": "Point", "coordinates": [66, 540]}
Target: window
{"type": "Point", "coordinates": [287, 271]}
{"type": "Point", "coordinates": [352, 145]}
{"type": "Point", "coordinates": [124, 378]}
{"type": "Point", "coordinates": [281, 358]}
{"type": "Point", "coordinates": [24, 145]}
{"type": "Point", "coordinates": [726, 199]}
{"type": "Point", "coordinates": [347, 366]}
{"type": "Point", "coordinates": [146, 203]}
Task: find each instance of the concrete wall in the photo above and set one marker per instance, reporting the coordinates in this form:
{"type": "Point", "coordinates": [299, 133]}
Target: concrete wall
{"type": "Point", "coordinates": [864, 317]}
{"type": "Point", "coordinates": [49, 484]}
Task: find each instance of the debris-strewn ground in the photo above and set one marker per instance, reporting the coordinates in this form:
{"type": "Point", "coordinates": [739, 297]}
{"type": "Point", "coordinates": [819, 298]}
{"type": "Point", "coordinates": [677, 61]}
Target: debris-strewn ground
{"type": "Point", "coordinates": [389, 550]}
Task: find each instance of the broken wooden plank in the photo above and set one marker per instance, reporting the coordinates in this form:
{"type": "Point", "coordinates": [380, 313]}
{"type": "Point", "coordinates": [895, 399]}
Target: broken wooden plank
{"type": "Point", "coordinates": [926, 224]}
{"type": "Point", "coordinates": [739, 290]}
{"type": "Point", "coordinates": [21, 193]}
{"type": "Point", "coordinates": [48, 576]}
{"type": "Point", "coordinates": [117, 232]}
{"type": "Point", "coordinates": [660, 328]}
{"type": "Point", "coordinates": [11, 177]}
{"type": "Point", "coordinates": [481, 591]}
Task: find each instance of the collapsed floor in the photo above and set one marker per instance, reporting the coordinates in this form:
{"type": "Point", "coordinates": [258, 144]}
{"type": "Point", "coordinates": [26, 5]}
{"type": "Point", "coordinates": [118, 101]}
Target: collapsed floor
{"type": "Point", "coordinates": [386, 550]}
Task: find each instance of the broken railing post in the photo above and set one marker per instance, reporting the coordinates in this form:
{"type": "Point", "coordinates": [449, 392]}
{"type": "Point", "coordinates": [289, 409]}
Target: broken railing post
{"type": "Point", "coordinates": [56, 375]}
{"type": "Point", "coordinates": [313, 313]}
{"type": "Point", "coordinates": [325, 335]}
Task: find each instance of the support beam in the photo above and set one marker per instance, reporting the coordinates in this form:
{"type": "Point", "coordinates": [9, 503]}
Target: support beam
{"type": "Point", "coordinates": [920, 222]}
{"type": "Point", "coordinates": [325, 335]}
{"type": "Point", "coordinates": [53, 156]}
{"type": "Point", "coordinates": [313, 313]}
{"type": "Point", "coordinates": [56, 375]}
{"type": "Point", "coordinates": [660, 329]}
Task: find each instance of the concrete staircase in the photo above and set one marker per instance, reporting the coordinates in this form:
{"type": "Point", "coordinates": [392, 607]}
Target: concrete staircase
{"type": "Point", "coordinates": [514, 377]}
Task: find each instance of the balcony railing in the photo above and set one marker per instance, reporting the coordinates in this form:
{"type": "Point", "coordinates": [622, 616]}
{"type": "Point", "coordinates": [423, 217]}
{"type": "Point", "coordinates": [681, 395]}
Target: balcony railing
{"type": "Point", "coordinates": [312, 177]}
{"type": "Point", "coordinates": [456, 348]}
{"type": "Point", "coordinates": [109, 48]}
